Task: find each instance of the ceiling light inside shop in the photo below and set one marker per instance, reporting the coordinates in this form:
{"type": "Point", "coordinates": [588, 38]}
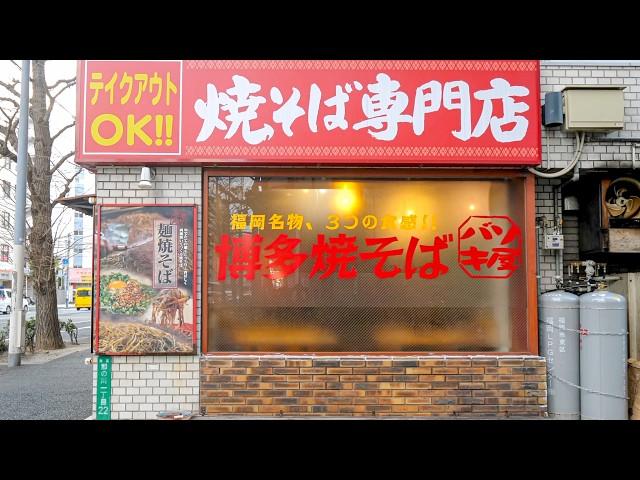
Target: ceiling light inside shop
{"type": "Point", "coordinates": [346, 197]}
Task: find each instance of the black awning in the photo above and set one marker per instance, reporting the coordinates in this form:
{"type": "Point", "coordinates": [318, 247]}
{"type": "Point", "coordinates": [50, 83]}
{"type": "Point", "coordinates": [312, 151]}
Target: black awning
{"type": "Point", "coordinates": [80, 203]}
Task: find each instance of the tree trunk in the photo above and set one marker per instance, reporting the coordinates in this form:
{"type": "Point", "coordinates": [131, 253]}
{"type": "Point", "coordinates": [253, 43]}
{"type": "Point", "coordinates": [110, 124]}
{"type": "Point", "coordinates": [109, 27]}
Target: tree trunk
{"type": "Point", "coordinates": [48, 336]}
{"type": "Point", "coordinates": [41, 257]}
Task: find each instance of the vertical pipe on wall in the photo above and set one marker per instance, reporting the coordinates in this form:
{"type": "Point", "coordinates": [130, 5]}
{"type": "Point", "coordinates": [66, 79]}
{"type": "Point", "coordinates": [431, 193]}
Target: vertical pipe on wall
{"type": "Point", "coordinates": [559, 277]}
{"type": "Point", "coordinates": [538, 253]}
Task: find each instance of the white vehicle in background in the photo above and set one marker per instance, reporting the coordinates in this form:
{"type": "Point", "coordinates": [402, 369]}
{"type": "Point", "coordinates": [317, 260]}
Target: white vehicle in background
{"type": "Point", "coordinates": [5, 301]}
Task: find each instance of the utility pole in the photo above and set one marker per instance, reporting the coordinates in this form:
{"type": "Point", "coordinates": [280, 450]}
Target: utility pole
{"type": "Point", "coordinates": [16, 327]}
{"type": "Point", "coordinates": [66, 279]}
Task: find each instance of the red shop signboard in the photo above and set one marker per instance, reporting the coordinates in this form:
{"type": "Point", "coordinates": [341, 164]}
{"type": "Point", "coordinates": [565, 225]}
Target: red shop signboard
{"type": "Point", "coordinates": [440, 112]}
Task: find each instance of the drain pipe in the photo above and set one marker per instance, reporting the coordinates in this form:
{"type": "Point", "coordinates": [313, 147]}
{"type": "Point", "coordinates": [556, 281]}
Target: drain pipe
{"type": "Point", "coordinates": [568, 168]}
{"type": "Point", "coordinates": [557, 198]}
{"type": "Point", "coordinates": [539, 228]}
{"type": "Point", "coordinates": [559, 276]}
{"type": "Point", "coordinates": [573, 165]}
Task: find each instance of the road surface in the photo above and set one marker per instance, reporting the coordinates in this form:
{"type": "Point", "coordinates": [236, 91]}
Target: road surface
{"type": "Point", "coordinates": [82, 319]}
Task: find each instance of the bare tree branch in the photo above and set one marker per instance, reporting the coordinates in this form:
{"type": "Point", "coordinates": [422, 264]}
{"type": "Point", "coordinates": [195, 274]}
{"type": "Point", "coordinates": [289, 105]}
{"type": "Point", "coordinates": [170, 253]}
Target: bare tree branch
{"type": "Point", "coordinates": [52, 98]}
{"type": "Point", "coordinates": [62, 130]}
{"type": "Point", "coordinates": [12, 100]}
{"type": "Point", "coordinates": [61, 161]}
{"type": "Point", "coordinates": [67, 187]}
{"type": "Point", "coordinates": [71, 80]}
{"type": "Point", "coordinates": [7, 233]}
{"type": "Point", "coordinates": [10, 131]}
{"type": "Point", "coordinates": [20, 68]}
{"type": "Point", "coordinates": [9, 137]}
{"type": "Point", "coordinates": [11, 126]}
{"type": "Point", "coordinates": [52, 102]}
{"type": "Point", "coordinates": [7, 115]}
{"type": "Point", "coordinates": [11, 87]}
{"type": "Point", "coordinates": [69, 85]}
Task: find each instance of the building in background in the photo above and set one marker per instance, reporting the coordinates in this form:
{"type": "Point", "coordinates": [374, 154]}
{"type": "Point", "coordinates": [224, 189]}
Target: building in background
{"type": "Point", "coordinates": [7, 213]}
{"type": "Point", "coordinates": [7, 219]}
{"type": "Point", "coordinates": [74, 246]}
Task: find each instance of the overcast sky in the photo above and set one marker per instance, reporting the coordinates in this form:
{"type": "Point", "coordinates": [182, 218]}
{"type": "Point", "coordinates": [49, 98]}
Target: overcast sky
{"type": "Point", "coordinates": [62, 114]}
{"type": "Point", "coordinates": [65, 110]}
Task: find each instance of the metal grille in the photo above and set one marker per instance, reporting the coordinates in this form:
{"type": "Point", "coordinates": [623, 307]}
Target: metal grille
{"type": "Point", "coordinates": [304, 313]}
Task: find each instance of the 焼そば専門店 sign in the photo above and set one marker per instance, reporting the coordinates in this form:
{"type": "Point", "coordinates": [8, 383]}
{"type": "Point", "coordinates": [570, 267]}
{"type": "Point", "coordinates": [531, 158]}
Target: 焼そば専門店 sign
{"type": "Point", "coordinates": [384, 112]}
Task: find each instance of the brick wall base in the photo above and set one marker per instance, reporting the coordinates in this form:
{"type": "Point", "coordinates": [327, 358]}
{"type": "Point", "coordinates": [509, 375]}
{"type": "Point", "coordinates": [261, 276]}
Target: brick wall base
{"type": "Point", "coordinates": [368, 386]}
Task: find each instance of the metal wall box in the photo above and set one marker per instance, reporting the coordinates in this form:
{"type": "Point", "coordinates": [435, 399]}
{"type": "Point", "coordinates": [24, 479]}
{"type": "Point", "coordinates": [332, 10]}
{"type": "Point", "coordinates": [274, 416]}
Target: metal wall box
{"type": "Point", "coordinates": [629, 286]}
{"type": "Point", "coordinates": [554, 242]}
{"type": "Point", "coordinates": [593, 108]}
{"type": "Point", "coordinates": [552, 114]}
{"type": "Point", "coordinates": [604, 226]}
{"type": "Point", "coordinates": [624, 240]}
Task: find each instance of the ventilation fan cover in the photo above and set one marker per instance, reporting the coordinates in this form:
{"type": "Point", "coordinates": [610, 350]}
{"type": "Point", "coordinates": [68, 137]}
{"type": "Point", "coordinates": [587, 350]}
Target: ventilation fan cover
{"type": "Point", "coordinates": [622, 198]}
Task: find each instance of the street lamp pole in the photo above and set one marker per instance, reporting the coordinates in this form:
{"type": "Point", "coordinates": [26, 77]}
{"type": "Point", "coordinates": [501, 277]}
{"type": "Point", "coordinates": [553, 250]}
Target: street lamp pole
{"type": "Point", "coordinates": [66, 287]}
{"type": "Point", "coordinates": [16, 330]}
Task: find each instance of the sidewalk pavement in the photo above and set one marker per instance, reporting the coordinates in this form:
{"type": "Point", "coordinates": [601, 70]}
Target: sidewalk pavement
{"type": "Point", "coordinates": [59, 389]}
{"type": "Point", "coordinates": [39, 358]}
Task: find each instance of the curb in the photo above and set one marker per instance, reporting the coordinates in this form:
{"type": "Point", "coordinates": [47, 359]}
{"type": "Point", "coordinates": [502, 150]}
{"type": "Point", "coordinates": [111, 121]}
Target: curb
{"type": "Point", "coordinates": [56, 354]}
{"type": "Point", "coordinates": [41, 358]}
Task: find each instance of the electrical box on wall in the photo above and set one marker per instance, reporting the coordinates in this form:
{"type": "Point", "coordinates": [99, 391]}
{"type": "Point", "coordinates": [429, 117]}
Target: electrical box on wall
{"type": "Point", "coordinates": [554, 242]}
{"type": "Point", "coordinates": [593, 108]}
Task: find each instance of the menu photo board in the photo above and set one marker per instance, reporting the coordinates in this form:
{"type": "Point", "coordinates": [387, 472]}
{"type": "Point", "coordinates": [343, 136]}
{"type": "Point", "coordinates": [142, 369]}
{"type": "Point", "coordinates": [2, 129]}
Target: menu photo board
{"type": "Point", "coordinates": [147, 280]}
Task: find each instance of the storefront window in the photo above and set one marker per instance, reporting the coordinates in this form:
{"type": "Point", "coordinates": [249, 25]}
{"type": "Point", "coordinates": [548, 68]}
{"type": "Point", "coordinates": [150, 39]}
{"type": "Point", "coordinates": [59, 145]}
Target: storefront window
{"type": "Point", "coordinates": [365, 263]}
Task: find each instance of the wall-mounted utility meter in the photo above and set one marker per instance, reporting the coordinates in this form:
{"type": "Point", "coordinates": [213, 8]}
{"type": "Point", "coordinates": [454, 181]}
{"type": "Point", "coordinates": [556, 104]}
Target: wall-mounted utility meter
{"type": "Point", "coordinates": [554, 242]}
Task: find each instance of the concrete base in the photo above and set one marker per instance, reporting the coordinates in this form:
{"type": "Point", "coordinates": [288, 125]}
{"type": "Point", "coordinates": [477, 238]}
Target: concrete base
{"type": "Point", "coordinates": [14, 360]}
{"type": "Point", "coordinates": [309, 417]}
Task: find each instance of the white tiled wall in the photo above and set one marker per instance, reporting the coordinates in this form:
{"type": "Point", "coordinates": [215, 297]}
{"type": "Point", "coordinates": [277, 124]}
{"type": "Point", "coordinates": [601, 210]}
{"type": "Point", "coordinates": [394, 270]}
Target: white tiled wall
{"type": "Point", "coordinates": [558, 147]}
{"type": "Point", "coordinates": [142, 386]}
